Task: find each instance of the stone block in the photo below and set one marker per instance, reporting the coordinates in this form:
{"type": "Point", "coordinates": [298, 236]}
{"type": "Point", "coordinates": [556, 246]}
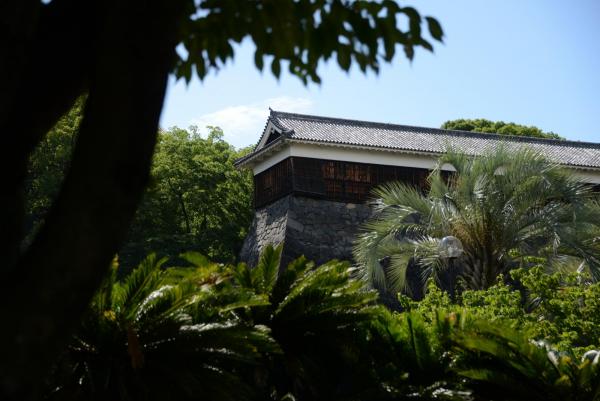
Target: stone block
{"type": "Point", "coordinates": [319, 229]}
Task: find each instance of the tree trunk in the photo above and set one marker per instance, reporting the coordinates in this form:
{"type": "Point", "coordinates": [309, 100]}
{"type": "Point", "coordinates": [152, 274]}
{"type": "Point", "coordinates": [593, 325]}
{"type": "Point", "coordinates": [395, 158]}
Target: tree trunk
{"type": "Point", "coordinates": [43, 68]}
{"type": "Point", "coordinates": [18, 20]}
{"type": "Point", "coordinates": [186, 217]}
{"type": "Point", "coordinates": [44, 297]}
{"type": "Point", "coordinates": [188, 226]}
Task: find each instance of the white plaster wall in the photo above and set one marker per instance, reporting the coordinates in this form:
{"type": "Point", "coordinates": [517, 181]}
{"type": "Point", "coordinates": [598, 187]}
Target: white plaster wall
{"type": "Point", "coordinates": [271, 160]}
{"type": "Point", "coordinates": [593, 177]}
{"type": "Point", "coordinates": [372, 156]}
{"type": "Point", "coordinates": [358, 155]}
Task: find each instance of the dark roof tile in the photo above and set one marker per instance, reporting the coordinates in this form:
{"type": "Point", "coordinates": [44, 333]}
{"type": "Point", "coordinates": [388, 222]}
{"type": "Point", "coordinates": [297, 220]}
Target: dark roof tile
{"type": "Point", "coordinates": [403, 137]}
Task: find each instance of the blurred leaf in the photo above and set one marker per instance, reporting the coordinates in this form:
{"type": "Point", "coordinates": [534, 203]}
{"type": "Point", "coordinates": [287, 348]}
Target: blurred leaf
{"type": "Point", "coordinates": [435, 29]}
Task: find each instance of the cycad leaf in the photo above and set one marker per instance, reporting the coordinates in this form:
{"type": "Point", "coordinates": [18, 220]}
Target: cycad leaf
{"type": "Point", "coordinates": [265, 273]}
{"type": "Point", "coordinates": [140, 283]}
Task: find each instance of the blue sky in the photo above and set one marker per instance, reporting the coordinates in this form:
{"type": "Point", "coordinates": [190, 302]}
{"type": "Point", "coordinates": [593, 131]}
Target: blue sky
{"type": "Point", "coordinates": [533, 62]}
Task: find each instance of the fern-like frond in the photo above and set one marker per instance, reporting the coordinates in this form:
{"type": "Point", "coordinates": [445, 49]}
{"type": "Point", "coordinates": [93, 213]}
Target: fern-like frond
{"type": "Point", "coordinates": [137, 285]}
{"type": "Point", "coordinates": [265, 273]}
{"type": "Point", "coordinates": [506, 364]}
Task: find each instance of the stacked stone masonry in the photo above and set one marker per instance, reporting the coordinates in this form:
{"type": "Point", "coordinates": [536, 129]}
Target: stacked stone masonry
{"type": "Point", "coordinates": [319, 229]}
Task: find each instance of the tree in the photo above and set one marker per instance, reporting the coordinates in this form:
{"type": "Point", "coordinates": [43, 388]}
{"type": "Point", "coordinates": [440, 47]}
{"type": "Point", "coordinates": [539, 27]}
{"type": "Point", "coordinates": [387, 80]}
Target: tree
{"type": "Point", "coordinates": [498, 127]}
{"type": "Point", "coordinates": [121, 53]}
{"type": "Point", "coordinates": [509, 210]}
{"type": "Point", "coordinates": [197, 199]}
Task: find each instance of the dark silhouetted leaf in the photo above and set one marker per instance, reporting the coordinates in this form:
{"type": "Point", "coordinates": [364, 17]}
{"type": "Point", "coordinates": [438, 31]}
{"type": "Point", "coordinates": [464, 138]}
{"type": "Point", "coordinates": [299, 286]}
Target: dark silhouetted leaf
{"type": "Point", "coordinates": [435, 29]}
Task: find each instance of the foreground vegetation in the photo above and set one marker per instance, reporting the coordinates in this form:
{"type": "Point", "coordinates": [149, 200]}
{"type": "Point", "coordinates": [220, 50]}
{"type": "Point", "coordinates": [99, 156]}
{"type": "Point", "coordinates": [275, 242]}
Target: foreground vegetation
{"type": "Point", "coordinates": [224, 332]}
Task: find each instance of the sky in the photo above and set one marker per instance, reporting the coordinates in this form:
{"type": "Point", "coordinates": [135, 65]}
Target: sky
{"type": "Point", "coordinates": [533, 62]}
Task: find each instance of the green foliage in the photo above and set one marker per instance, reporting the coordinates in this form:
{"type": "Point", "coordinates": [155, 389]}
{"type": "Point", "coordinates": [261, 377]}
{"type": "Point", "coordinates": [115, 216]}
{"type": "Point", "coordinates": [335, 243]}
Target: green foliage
{"type": "Point", "coordinates": [565, 308]}
{"type": "Point", "coordinates": [415, 353]}
{"type": "Point", "coordinates": [206, 330]}
{"type": "Point", "coordinates": [300, 33]}
{"type": "Point", "coordinates": [226, 332]}
{"type": "Point", "coordinates": [461, 356]}
{"type": "Point", "coordinates": [48, 165]}
{"type": "Point", "coordinates": [321, 319]}
{"type": "Point", "coordinates": [146, 337]}
{"type": "Point", "coordinates": [504, 364]}
{"type": "Point", "coordinates": [498, 127]}
{"type": "Point", "coordinates": [509, 209]}
{"type": "Point", "coordinates": [197, 200]}
{"type": "Point", "coordinates": [496, 304]}
{"type": "Point", "coordinates": [559, 308]}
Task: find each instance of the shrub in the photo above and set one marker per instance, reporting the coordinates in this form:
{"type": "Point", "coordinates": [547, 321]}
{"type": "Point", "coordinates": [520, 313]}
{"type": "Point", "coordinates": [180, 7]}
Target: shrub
{"type": "Point", "coordinates": [560, 308]}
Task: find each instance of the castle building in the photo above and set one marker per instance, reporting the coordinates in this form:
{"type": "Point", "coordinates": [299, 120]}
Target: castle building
{"type": "Point", "coordinates": [313, 175]}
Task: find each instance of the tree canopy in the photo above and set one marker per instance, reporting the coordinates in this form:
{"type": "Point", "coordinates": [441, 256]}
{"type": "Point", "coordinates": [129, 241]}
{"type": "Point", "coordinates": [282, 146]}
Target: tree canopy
{"type": "Point", "coordinates": [121, 54]}
{"type": "Point", "coordinates": [197, 200]}
{"type": "Point", "coordinates": [498, 127]}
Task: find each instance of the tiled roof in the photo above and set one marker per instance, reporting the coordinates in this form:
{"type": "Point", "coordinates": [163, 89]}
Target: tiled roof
{"type": "Point", "coordinates": [334, 131]}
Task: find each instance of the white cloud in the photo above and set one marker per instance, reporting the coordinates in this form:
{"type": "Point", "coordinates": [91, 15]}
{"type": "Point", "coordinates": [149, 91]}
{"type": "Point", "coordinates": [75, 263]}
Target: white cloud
{"type": "Point", "coordinates": [243, 124]}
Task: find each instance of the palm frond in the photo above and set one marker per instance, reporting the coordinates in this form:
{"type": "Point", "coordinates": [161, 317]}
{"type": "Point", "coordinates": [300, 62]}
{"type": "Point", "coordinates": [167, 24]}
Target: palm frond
{"type": "Point", "coordinates": [287, 277]}
{"type": "Point", "coordinates": [170, 334]}
{"type": "Point", "coordinates": [103, 298]}
{"type": "Point", "coordinates": [506, 364]}
{"type": "Point", "coordinates": [265, 273]}
{"type": "Point", "coordinates": [509, 201]}
{"type": "Point", "coordinates": [138, 285]}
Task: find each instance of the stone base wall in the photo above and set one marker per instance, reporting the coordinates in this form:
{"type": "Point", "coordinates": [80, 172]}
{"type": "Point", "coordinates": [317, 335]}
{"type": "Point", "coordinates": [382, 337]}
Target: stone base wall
{"type": "Point", "coordinates": [321, 230]}
{"type": "Point", "coordinates": [268, 227]}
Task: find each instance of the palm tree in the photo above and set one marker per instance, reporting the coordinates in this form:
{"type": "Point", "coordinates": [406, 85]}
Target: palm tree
{"type": "Point", "coordinates": [506, 207]}
{"type": "Point", "coordinates": [168, 334]}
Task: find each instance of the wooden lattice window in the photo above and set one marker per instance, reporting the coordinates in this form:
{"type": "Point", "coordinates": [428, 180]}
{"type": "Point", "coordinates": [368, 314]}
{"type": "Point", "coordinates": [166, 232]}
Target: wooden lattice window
{"type": "Point", "coordinates": [328, 168]}
{"type": "Point", "coordinates": [358, 172]}
{"type": "Point", "coordinates": [309, 176]}
{"type": "Point", "coordinates": [273, 183]}
{"type": "Point", "coordinates": [328, 179]}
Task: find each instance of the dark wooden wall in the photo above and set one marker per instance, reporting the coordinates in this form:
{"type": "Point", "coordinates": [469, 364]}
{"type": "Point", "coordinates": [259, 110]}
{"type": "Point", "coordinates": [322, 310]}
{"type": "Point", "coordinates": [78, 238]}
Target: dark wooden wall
{"type": "Point", "coordinates": [327, 179]}
{"type": "Point", "coordinates": [273, 183]}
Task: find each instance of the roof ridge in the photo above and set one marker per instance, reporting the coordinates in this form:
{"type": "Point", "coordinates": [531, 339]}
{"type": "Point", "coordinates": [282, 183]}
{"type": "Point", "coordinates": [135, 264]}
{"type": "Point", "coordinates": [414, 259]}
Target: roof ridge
{"type": "Point", "coordinates": [440, 131]}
